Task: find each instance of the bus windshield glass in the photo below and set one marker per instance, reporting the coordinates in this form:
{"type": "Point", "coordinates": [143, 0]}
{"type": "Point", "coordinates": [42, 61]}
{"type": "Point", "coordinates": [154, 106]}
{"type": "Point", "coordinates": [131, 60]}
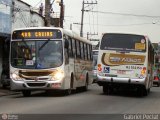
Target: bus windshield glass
{"type": "Point", "coordinates": [36, 54]}
{"type": "Point", "coordinates": [123, 42]}
{"type": "Point", "coordinates": [95, 57]}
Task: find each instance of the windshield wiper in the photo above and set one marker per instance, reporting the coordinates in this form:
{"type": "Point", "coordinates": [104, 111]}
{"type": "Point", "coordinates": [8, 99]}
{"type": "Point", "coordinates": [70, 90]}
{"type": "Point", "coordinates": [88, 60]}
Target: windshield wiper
{"type": "Point", "coordinates": [25, 43]}
{"type": "Point", "coordinates": [43, 44]}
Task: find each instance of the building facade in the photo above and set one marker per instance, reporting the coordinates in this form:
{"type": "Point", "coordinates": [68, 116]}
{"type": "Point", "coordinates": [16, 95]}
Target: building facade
{"type": "Point", "coordinates": [14, 14]}
{"type": "Point", "coordinates": [5, 30]}
{"type": "Point", "coordinates": [23, 16]}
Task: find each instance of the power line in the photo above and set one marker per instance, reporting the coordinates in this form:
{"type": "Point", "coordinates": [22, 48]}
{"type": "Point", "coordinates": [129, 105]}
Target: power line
{"type": "Point", "coordinates": [119, 25]}
{"type": "Point", "coordinates": [124, 14]}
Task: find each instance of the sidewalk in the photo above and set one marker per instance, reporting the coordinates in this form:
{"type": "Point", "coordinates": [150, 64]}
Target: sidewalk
{"type": "Point", "coordinates": [6, 91]}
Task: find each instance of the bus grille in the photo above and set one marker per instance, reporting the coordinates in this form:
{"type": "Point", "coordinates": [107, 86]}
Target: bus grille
{"type": "Point", "coordinates": [36, 84]}
{"type": "Point", "coordinates": [36, 78]}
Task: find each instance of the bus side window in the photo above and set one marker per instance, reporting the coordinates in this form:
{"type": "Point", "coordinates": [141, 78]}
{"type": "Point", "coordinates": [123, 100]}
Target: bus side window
{"type": "Point", "coordinates": [66, 50]}
{"type": "Point", "coordinates": [77, 49]}
{"type": "Point", "coordinates": [85, 51]}
{"type": "Point", "coordinates": [91, 55]}
{"type": "Point", "coordinates": [70, 48]}
{"type": "Point", "coordinates": [82, 53]}
{"type": "Point", "coordinates": [66, 56]}
{"type": "Point", "coordinates": [73, 48]}
{"type": "Point", "coordinates": [89, 52]}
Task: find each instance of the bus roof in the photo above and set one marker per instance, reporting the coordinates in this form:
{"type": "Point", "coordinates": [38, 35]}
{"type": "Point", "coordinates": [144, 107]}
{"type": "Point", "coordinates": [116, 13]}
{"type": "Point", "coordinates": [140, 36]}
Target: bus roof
{"type": "Point", "coordinates": [65, 31]}
{"type": "Point", "coordinates": [76, 36]}
{"type": "Point", "coordinates": [129, 33]}
{"type": "Point", "coordinates": [31, 28]}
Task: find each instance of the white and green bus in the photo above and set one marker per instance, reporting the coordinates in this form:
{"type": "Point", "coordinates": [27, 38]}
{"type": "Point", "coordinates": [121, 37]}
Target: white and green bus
{"type": "Point", "coordinates": [125, 60]}
{"type": "Point", "coordinates": [49, 58]}
{"type": "Point", "coordinates": [95, 57]}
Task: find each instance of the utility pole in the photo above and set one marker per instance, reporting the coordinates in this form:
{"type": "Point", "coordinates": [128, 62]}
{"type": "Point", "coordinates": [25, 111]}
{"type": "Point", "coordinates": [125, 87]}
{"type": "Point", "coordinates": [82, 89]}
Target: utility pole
{"type": "Point", "coordinates": [47, 13]}
{"type": "Point", "coordinates": [61, 13]}
{"type": "Point", "coordinates": [82, 17]}
{"type": "Point", "coordinates": [81, 32]}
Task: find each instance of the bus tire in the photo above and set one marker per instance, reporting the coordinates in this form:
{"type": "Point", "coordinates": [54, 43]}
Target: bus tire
{"type": "Point", "coordinates": [149, 90]}
{"type": "Point", "coordinates": [145, 92]}
{"type": "Point", "coordinates": [105, 90]}
{"type": "Point", "coordinates": [85, 88]}
{"type": "Point", "coordinates": [69, 91]}
{"type": "Point", "coordinates": [26, 93]}
{"type": "Point", "coordinates": [142, 91]}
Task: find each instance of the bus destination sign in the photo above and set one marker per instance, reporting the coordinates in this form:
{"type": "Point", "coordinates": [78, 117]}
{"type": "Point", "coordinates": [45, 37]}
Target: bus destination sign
{"type": "Point", "coordinates": [37, 34]}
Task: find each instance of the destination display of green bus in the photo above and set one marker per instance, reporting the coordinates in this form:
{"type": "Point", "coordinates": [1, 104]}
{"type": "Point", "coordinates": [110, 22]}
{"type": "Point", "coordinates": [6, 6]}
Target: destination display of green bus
{"type": "Point", "coordinates": [37, 34]}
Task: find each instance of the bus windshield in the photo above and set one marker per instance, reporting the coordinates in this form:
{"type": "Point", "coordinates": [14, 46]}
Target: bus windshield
{"type": "Point", "coordinates": [124, 42]}
{"type": "Point", "coordinates": [95, 61]}
{"type": "Point", "coordinates": [95, 57]}
{"type": "Point", "coordinates": [36, 54]}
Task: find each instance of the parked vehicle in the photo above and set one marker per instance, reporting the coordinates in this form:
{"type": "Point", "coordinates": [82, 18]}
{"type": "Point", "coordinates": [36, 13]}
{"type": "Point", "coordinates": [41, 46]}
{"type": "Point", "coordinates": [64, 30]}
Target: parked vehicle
{"type": "Point", "coordinates": [94, 70]}
{"type": "Point", "coordinates": [156, 81]}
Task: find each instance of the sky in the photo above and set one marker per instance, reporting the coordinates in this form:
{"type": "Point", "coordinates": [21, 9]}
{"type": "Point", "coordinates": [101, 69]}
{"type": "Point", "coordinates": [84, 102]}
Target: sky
{"type": "Point", "coordinates": [129, 16]}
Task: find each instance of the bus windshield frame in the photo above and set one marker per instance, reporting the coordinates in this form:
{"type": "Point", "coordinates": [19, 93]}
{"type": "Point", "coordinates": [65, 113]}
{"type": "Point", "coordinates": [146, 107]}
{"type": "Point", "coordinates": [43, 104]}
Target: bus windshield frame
{"type": "Point", "coordinates": [31, 54]}
{"type": "Point", "coordinates": [36, 48]}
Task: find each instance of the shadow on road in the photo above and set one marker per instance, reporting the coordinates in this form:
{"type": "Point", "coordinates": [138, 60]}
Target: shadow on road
{"type": "Point", "coordinates": [52, 93]}
{"type": "Point", "coordinates": [127, 93]}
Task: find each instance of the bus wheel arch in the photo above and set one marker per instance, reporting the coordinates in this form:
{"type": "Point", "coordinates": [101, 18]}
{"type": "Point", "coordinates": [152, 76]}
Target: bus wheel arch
{"type": "Point", "coordinates": [71, 85]}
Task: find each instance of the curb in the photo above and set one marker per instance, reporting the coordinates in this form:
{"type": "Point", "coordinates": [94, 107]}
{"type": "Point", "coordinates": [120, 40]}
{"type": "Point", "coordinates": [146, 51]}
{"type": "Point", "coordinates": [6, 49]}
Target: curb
{"type": "Point", "coordinates": [5, 92]}
{"type": "Point", "coordinates": [1, 95]}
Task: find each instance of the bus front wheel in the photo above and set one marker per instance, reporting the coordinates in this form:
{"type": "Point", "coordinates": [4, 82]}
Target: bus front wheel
{"type": "Point", "coordinates": [85, 88]}
{"type": "Point", "coordinates": [67, 91]}
{"type": "Point", "coordinates": [106, 90]}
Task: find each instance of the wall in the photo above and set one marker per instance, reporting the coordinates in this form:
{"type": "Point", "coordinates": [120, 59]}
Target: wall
{"type": "Point", "coordinates": [36, 20]}
{"type": "Point", "coordinates": [5, 23]}
{"type": "Point", "coordinates": [19, 15]}
{"type": "Point", "coordinates": [24, 17]}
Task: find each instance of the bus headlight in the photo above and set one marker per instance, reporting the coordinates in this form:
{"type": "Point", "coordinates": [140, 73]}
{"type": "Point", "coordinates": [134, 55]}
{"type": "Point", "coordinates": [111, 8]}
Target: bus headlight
{"type": "Point", "coordinates": [57, 75]}
{"type": "Point", "coordinates": [14, 76]}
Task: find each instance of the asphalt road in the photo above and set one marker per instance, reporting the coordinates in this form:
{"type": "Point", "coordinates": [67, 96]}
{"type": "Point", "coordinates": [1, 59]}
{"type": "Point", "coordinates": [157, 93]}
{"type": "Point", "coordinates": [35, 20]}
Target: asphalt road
{"type": "Point", "coordinates": [91, 102]}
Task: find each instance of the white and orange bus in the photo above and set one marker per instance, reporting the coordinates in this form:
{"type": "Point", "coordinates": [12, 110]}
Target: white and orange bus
{"type": "Point", "coordinates": [49, 58]}
{"type": "Point", "coordinates": [125, 60]}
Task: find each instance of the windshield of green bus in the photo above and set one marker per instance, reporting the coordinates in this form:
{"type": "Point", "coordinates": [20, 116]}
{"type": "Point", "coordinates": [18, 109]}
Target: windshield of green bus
{"type": "Point", "coordinates": [123, 42]}
{"type": "Point", "coordinates": [95, 61]}
{"type": "Point", "coordinates": [36, 54]}
{"type": "Point", "coordinates": [95, 57]}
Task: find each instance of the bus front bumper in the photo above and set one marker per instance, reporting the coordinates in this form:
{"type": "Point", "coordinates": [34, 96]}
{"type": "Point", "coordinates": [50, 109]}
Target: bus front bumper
{"type": "Point", "coordinates": [35, 85]}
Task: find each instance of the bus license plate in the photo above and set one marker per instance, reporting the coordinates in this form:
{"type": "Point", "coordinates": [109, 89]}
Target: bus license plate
{"type": "Point", "coordinates": [121, 72]}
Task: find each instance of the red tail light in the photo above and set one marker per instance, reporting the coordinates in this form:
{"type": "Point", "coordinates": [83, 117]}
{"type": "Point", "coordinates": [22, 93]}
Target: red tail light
{"type": "Point", "coordinates": [99, 67]}
{"type": "Point", "coordinates": [156, 78]}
